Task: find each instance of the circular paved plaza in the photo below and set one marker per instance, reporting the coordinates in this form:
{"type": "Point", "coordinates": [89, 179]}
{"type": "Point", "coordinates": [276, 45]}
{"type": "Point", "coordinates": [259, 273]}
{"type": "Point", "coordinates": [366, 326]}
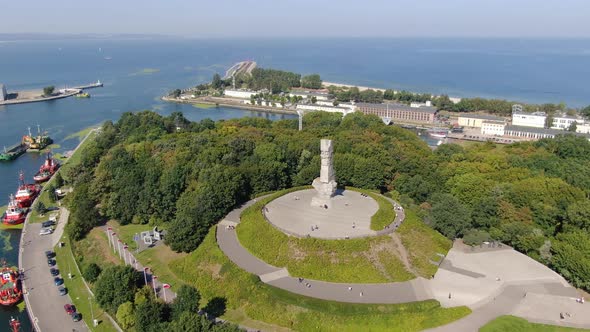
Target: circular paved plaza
{"type": "Point", "coordinates": [349, 216]}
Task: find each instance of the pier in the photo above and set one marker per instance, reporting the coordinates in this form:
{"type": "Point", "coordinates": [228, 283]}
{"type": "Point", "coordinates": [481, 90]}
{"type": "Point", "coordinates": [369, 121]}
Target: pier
{"type": "Point", "coordinates": [23, 97]}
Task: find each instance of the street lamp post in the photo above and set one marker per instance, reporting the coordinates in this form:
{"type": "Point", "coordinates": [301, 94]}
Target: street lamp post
{"type": "Point", "coordinates": [165, 287]}
{"type": "Point", "coordinates": [119, 248]}
{"type": "Point", "coordinates": [109, 231]}
{"type": "Point", "coordinates": [91, 311]}
{"type": "Point", "coordinates": [144, 274]}
{"type": "Point", "coordinates": [154, 284]}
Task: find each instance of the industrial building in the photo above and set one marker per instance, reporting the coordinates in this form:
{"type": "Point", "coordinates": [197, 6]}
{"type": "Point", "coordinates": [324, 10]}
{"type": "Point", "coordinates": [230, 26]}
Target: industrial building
{"type": "Point", "coordinates": [536, 119]}
{"type": "Point", "coordinates": [399, 112]}
{"type": "Point", "coordinates": [476, 120]}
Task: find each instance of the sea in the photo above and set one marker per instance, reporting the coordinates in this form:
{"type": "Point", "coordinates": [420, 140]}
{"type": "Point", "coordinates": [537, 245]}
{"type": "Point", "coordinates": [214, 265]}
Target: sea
{"type": "Point", "coordinates": [137, 72]}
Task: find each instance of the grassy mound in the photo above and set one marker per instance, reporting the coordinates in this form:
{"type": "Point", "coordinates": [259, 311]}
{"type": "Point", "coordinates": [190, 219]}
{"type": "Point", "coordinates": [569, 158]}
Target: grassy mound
{"type": "Point", "coordinates": [514, 324]}
{"type": "Point", "coordinates": [368, 260]}
{"type": "Point", "coordinates": [250, 301]}
{"type": "Point", "coordinates": [423, 244]}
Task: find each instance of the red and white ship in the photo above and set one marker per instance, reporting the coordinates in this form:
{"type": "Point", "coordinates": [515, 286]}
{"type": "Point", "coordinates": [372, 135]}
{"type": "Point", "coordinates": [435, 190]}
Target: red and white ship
{"type": "Point", "coordinates": [14, 214]}
{"type": "Point", "coordinates": [26, 193]}
{"type": "Point", "coordinates": [10, 288]}
{"type": "Point", "coordinates": [46, 170]}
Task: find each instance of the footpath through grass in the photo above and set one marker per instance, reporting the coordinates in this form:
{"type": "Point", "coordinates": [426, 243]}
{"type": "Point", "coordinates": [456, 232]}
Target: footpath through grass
{"type": "Point", "coordinates": [249, 301]}
{"type": "Point", "coordinates": [516, 324]}
{"type": "Point", "coordinates": [367, 260]}
{"type": "Point", "coordinates": [78, 292]}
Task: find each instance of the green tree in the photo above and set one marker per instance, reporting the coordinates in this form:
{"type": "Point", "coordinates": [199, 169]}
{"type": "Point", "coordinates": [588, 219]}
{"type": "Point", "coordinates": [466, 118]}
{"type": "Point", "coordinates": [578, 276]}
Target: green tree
{"type": "Point", "coordinates": [126, 315]}
{"type": "Point", "coordinates": [311, 81]}
{"type": "Point", "coordinates": [191, 322]}
{"type": "Point", "coordinates": [175, 93]}
{"type": "Point", "coordinates": [115, 286]}
{"type": "Point", "coordinates": [585, 111]}
{"type": "Point", "coordinates": [573, 127]}
{"type": "Point", "coordinates": [40, 208]}
{"type": "Point", "coordinates": [187, 300]}
{"type": "Point", "coordinates": [216, 82]}
{"type": "Point", "coordinates": [91, 272]}
{"type": "Point", "coordinates": [48, 90]}
{"type": "Point", "coordinates": [149, 315]}
{"type": "Point", "coordinates": [578, 215]}
{"type": "Point", "coordinates": [216, 307]}
{"type": "Point", "coordinates": [448, 215]}
{"type": "Point", "coordinates": [314, 99]}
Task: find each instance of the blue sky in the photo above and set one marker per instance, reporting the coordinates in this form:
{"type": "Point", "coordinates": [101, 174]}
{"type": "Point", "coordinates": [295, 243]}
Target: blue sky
{"type": "Point", "coordinates": [303, 18]}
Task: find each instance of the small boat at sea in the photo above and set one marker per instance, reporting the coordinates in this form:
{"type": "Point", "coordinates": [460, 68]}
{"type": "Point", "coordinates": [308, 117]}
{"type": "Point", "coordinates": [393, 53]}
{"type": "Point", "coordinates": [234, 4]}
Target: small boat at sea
{"type": "Point", "coordinates": [46, 171]}
{"type": "Point", "coordinates": [82, 95]}
{"type": "Point", "coordinates": [26, 193]}
{"type": "Point", "coordinates": [14, 214]}
{"type": "Point", "coordinates": [14, 325]}
{"type": "Point", "coordinates": [10, 286]}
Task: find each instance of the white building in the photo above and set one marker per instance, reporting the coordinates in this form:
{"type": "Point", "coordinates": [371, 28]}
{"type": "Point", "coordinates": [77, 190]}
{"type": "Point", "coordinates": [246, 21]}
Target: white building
{"type": "Point", "coordinates": [308, 95]}
{"type": "Point", "coordinates": [536, 119]}
{"type": "Point", "coordinates": [244, 94]}
{"type": "Point", "coordinates": [476, 120]}
{"type": "Point", "coordinates": [583, 128]}
{"type": "Point", "coordinates": [564, 121]}
{"type": "Point", "coordinates": [3, 93]}
{"type": "Point", "coordinates": [493, 128]}
{"type": "Point", "coordinates": [331, 109]}
{"type": "Point", "coordinates": [428, 103]}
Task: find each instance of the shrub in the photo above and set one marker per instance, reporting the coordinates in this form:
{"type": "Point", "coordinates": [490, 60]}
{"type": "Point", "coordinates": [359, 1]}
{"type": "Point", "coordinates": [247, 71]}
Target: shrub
{"type": "Point", "coordinates": [91, 272]}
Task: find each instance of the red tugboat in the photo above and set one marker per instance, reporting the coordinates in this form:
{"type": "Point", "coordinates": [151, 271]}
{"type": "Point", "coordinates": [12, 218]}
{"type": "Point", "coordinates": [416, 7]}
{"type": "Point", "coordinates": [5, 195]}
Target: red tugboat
{"type": "Point", "coordinates": [26, 193]}
{"type": "Point", "coordinates": [14, 325]}
{"type": "Point", "coordinates": [46, 170]}
{"type": "Point", "coordinates": [10, 289]}
{"type": "Point", "coordinates": [14, 214]}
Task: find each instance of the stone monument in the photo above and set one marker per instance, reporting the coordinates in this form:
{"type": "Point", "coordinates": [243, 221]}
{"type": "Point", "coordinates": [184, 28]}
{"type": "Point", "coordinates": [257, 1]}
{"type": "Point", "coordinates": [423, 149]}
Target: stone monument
{"type": "Point", "coordinates": [325, 185]}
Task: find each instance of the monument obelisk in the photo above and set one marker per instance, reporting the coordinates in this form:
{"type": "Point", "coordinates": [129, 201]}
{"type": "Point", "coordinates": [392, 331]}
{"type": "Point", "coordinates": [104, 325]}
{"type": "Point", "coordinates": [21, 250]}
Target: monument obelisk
{"type": "Point", "coordinates": [325, 185]}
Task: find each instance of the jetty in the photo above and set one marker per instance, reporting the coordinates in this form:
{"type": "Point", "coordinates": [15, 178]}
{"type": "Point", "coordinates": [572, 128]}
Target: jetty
{"type": "Point", "coordinates": [34, 96]}
{"type": "Point", "coordinates": [240, 67]}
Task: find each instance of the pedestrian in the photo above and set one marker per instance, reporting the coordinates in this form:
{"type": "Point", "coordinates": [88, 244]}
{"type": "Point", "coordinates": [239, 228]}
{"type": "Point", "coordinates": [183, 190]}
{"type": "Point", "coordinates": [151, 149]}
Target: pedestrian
{"type": "Point", "coordinates": [349, 289]}
{"type": "Point", "coordinates": [353, 225]}
{"type": "Point", "coordinates": [361, 294]}
{"type": "Point", "coordinates": [449, 295]}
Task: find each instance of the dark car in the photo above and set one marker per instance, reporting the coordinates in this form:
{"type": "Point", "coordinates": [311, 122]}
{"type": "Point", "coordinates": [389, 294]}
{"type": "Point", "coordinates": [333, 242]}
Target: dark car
{"type": "Point", "coordinates": [51, 262]}
{"type": "Point", "coordinates": [63, 291]}
{"type": "Point", "coordinates": [70, 310]}
{"type": "Point", "coordinates": [49, 254]}
{"type": "Point", "coordinates": [76, 317]}
{"type": "Point", "coordinates": [58, 281]}
{"type": "Point", "coordinates": [48, 223]}
{"type": "Point", "coordinates": [54, 272]}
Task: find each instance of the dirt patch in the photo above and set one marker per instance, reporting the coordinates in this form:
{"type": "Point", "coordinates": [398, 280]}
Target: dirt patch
{"type": "Point", "coordinates": [394, 247]}
{"type": "Point", "coordinates": [402, 253]}
{"type": "Point", "coordinates": [214, 269]}
{"type": "Point", "coordinates": [295, 252]}
{"type": "Point", "coordinates": [96, 247]}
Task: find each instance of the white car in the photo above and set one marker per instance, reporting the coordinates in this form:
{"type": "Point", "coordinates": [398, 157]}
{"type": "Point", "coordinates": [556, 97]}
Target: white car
{"type": "Point", "coordinates": [46, 231]}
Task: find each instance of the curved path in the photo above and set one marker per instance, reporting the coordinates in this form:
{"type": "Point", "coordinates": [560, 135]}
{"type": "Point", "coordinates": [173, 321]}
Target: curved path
{"type": "Point", "coordinates": [492, 281]}
{"type": "Point", "coordinates": [395, 292]}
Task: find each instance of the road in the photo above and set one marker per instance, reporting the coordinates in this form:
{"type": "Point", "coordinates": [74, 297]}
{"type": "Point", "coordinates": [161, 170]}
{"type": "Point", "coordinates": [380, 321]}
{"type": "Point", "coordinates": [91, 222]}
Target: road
{"type": "Point", "coordinates": [45, 305]}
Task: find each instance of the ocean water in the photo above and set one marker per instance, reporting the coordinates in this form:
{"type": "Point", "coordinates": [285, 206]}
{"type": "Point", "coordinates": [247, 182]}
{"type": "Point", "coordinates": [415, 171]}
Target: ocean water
{"type": "Point", "coordinates": [137, 72]}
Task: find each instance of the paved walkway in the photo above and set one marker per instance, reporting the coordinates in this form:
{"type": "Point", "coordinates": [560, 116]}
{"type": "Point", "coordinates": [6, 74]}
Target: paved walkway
{"type": "Point", "coordinates": [45, 305]}
{"type": "Point", "coordinates": [491, 281]}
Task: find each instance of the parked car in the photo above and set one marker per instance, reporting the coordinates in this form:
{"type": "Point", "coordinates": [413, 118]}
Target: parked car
{"type": "Point", "coordinates": [51, 262]}
{"type": "Point", "coordinates": [70, 310]}
{"type": "Point", "coordinates": [49, 254]}
{"type": "Point", "coordinates": [63, 291]}
{"type": "Point", "coordinates": [45, 231]}
{"type": "Point", "coordinates": [54, 272]}
{"type": "Point", "coordinates": [58, 281]}
{"type": "Point", "coordinates": [76, 317]}
{"type": "Point", "coordinates": [48, 223]}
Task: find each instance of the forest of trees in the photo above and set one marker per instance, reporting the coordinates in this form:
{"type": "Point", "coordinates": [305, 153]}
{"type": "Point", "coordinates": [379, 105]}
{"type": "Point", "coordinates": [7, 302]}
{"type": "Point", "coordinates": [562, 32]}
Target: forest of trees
{"type": "Point", "coordinates": [143, 169]}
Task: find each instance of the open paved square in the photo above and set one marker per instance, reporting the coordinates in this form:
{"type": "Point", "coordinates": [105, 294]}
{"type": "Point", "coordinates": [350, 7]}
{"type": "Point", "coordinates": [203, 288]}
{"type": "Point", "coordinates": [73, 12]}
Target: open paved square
{"type": "Point", "coordinates": [349, 216]}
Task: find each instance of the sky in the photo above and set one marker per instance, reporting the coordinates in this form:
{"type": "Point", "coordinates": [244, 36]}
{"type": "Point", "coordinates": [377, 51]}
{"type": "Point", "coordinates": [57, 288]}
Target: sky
{"type": "Point", "coordinates": [302, 18]}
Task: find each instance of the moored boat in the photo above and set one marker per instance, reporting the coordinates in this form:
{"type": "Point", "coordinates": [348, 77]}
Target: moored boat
{"type": "Point", "coordinates": [13, 152]}
{"type": "Point", "coordinates": [37, 143]}
{"type": "Point", "coordinates": [14, 325]}
{"type": "Point", "coordinates": [438, 132]}
{"type": "Point", "coordinates": [14, 214]}
{"type": "Point", "coordinates": [46, 171]}
{"type": "Point", "coordinates": [10, 287]}
{"type": "Point", "coordinates": [26, 193]}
